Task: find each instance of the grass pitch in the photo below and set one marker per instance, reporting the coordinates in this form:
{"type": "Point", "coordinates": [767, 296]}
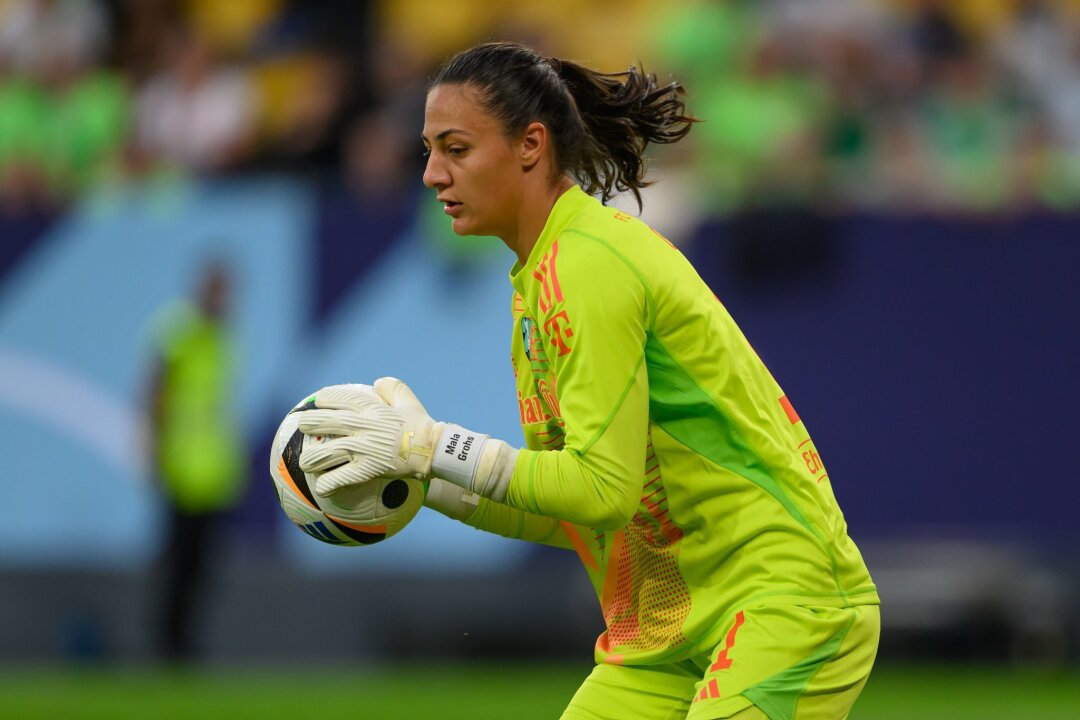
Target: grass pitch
{"type": "Point", "coordinates": [465, 691]}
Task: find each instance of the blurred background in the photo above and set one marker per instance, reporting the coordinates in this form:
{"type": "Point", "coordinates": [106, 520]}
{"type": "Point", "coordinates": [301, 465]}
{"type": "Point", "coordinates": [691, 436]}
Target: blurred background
{"type": "Point", "coordinates": [226, 197]}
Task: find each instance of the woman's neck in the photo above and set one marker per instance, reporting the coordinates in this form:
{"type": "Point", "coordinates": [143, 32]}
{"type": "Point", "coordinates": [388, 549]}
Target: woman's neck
{"type": "Point", "coordinates": [533, 217]}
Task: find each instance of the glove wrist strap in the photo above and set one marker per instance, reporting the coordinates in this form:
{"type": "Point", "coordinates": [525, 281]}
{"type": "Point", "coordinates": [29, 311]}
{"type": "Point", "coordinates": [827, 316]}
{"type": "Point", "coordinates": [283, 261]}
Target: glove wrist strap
{"type": "Point", "coordinates": [478, 463]}
{"type": "Point", "coordinates": [457, 455]}
{"type": "Point", "coordinates": [451, 500]}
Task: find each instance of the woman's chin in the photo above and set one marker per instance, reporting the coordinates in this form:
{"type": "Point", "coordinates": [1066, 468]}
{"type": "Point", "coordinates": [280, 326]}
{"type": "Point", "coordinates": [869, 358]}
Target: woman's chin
{"type": "Point", "coordinates": [461, 226]}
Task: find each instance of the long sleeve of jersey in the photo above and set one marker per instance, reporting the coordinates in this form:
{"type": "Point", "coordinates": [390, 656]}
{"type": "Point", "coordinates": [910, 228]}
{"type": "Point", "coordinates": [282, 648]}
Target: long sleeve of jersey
{"type": "Point", "coordinates": [494, 517]}
{"type": "Point", "coordinates": [590, 331]}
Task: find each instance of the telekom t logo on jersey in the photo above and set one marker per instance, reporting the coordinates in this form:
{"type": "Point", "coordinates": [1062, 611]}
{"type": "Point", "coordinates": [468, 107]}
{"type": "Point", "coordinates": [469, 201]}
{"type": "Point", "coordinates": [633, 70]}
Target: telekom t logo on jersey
{"type": "Point", "coordinates": [548, 278]}
{"type": "Point", "coordinates": [556, 327]}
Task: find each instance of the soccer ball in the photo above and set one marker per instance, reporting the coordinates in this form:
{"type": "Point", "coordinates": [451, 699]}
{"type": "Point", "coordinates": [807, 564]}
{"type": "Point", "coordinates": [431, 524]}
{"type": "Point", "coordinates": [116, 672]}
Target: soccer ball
{"type": "Point", "coordinates": [361, 515]}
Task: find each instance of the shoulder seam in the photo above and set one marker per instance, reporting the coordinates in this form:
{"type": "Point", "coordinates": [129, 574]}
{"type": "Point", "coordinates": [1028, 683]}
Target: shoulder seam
{"type": "Point", "coordinates": [650, 305]}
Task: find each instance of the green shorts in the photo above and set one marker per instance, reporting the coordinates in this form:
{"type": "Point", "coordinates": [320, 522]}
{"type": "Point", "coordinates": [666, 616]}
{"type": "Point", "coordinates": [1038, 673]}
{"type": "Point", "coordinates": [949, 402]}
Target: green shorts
{"type": "Point", "coordinates": [785, 661]}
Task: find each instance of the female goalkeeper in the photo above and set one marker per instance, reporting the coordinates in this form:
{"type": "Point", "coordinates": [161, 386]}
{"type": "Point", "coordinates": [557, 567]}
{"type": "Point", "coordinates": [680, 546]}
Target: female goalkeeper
{"type": "Point", "coordinates": [657, 444]}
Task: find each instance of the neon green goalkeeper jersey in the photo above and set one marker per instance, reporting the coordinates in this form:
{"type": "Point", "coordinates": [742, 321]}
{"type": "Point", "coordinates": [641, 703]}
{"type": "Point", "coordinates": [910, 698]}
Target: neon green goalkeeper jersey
{"type": "Point", "coordinates": [680, 472]}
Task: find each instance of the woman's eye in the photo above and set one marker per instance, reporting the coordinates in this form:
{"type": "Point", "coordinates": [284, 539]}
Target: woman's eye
{"type": "Point", "coordinates": [426, 152]}
{"type": "Point", "coordinates": [456, 151]}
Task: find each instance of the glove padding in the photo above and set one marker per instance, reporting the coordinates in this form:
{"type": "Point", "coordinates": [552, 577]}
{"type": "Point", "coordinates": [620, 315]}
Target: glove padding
{"type": "Point", "coordinates": [370, 432]}
{"type": "Point", "coordinates": [392, 435]}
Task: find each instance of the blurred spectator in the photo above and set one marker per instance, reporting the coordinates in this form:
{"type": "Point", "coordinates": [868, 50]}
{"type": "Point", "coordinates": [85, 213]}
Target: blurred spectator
{"type": "Point", "coordinates": [1046, 171]}
{"type": "Point", "coordinates": [1042, 48]}
{"type": "Point", "coordinates": [303, 111]}
{"type": "Point", "coordinates": [969, 106]}
{"type": "Point", "coordinates": [197, 450]}
{"type": "Point", "coordinates": [763, 128]}
{"type": "Point", "coordinates": [23, 185]}
{"type": "Point", "coordinates": [195, 112]}
{"type": "Point", "coordinates": [37, 34]}
{"type": "Point", "coordinates": [63, 115]}
{"type": "Point", "coordinates": [898, 176]}
{"type": "Point", "coordinates": [141, 28]}
{"type": "Point", "coordinates": [970, 131]}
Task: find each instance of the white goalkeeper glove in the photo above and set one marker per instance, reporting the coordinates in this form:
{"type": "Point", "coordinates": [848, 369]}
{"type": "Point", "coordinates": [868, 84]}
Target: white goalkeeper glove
{"type": "Point", "coordinates": [392, 435]}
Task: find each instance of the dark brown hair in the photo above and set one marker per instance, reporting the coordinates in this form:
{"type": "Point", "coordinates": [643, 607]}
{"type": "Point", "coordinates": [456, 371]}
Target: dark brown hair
{"type": "Point", "coordinates": [600, 123]}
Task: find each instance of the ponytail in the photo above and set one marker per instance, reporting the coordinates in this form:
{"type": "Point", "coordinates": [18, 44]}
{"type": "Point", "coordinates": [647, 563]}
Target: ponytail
{"type": "Point", "coordinates": [600, 123]}
{"type": "Point", "coordinates": [622, 113]}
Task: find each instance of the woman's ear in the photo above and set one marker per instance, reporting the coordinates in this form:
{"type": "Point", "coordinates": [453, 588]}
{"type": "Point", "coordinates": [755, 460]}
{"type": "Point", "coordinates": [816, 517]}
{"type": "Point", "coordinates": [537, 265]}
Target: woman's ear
{"type": "Point", "coordinates": [533, 144]}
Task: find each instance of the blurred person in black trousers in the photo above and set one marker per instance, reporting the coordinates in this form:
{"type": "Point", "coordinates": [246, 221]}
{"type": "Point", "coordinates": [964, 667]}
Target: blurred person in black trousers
{"type": "Point", "coordinates": [197, 449]}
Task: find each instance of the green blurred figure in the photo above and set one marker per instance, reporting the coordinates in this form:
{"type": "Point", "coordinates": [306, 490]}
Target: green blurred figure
{"type": "Point", "coordinates": [63, 111]}
{"type": "Point", "coordinates": [198, 450]}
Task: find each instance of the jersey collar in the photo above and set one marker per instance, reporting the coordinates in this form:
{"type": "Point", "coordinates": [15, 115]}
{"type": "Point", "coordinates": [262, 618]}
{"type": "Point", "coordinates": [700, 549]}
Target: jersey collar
{"type": "Point", "coordinates": [565, 209]}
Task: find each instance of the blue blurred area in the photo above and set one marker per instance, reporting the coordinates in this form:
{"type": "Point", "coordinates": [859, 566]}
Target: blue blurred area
{"type": "Point", "coordinates": [74, 349]}
{"type": "Point", "coordinates": [930, 358]}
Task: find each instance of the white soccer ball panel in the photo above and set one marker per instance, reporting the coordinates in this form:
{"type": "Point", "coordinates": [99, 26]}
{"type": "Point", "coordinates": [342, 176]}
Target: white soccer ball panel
{"type": "Point", "coordinates": [360, 515]}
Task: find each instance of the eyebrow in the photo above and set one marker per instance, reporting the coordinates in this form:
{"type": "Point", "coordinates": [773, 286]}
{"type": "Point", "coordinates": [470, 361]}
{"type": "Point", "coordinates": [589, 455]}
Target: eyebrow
{"type": "Point", "coordinates": [444, 133]}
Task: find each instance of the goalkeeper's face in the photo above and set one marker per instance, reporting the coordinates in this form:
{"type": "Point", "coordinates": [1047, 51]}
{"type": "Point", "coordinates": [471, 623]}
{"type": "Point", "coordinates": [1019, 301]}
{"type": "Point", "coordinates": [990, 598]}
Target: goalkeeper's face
{"type": "Point", "coordinates": [472, 165]}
